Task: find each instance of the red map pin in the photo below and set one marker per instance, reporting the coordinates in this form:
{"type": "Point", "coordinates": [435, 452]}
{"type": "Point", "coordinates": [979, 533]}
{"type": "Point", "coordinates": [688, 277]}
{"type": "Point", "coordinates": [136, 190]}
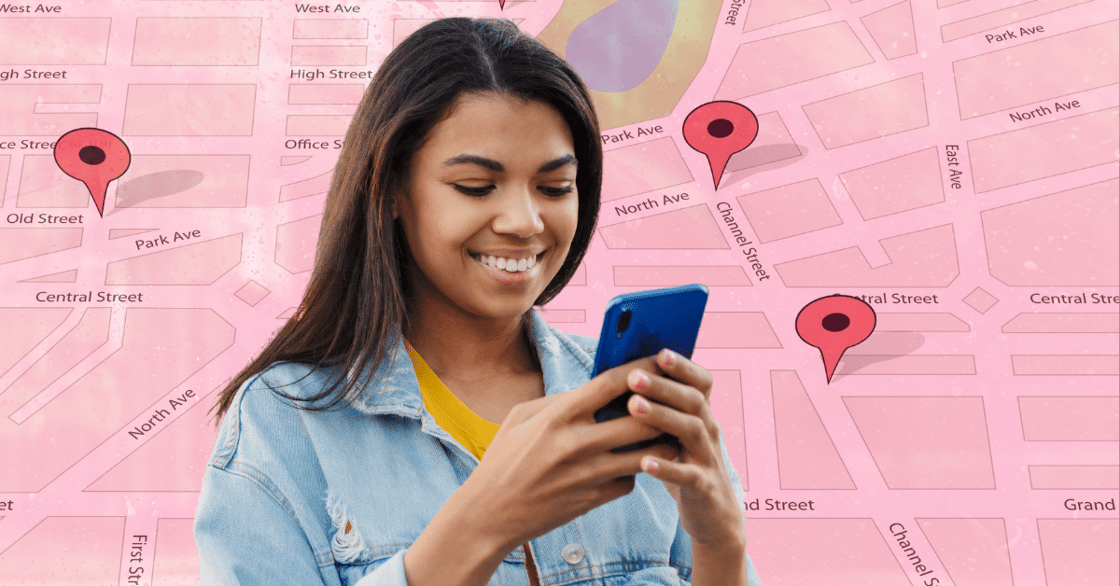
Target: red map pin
{"type": "Point", "coordinates": [94, 157]}
{"type": "Point", "coordinates": [502, 4]}
{"type": "Point", "coordinates": [720, 129]}
{"type": "Point", "coordinates": [833, 324]}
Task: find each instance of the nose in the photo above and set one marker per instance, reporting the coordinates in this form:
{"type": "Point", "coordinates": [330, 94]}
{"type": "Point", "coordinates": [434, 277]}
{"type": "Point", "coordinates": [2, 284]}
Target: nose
{"type": "Point", "coordinates": [519, 215]}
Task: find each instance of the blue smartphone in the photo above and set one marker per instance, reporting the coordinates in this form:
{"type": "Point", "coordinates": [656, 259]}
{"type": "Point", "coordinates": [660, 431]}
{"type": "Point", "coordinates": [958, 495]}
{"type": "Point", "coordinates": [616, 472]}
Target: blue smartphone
{"type": "Point", "coordinates": [641, 324]}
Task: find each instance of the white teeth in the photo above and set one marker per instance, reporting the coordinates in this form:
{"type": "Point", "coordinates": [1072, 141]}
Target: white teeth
{"type": "Point", "coordinates": [509, 265]}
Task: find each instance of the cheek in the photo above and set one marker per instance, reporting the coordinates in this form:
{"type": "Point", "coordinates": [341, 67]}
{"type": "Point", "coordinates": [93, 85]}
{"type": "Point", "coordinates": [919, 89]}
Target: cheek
{"type": "Point", "coordinates": [432, 228]}
{"type": "Point", "coordinates": [423, 242]}
{"type": "Point", "coordinates": [571, 217]}
{"type": "Point", "coordinates": [445, 228]}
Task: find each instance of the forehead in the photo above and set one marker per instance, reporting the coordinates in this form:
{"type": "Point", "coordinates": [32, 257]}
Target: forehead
{"type": "Point", "coordinates": [499, 123]}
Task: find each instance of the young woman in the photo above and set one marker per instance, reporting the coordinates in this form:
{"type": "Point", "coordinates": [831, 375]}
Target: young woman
{"type": "Point", "coordinates": [418, 423]}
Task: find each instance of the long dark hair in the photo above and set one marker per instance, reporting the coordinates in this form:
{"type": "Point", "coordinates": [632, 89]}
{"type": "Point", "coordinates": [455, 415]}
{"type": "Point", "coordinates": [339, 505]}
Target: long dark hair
{"type": "Point", "coordinates": [355, 301]}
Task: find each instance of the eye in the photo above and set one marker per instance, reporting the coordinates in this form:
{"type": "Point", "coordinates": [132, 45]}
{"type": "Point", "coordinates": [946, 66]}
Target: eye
{"type": "Point", "coordinates": [474, 191]}
{"type": "Point", "coordinates": [556, 191]}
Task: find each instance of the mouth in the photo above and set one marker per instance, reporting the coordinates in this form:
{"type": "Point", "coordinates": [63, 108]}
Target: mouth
{"type": "Point", "coordinates": [515, 271]}
{"type": "Point", "coordinates": [510, 266]}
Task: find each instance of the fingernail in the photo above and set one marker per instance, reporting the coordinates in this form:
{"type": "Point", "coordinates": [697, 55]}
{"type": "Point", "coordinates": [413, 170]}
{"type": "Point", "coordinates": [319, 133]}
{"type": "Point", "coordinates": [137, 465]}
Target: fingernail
{"type": "Point", "coordinates": [641, 405]}
{"type": "Point", "coordinates": [650, 466]}
{"type": "Point", "coordinates": [641, 381]}
{"type": "Point", "coordinates": [669, 357]}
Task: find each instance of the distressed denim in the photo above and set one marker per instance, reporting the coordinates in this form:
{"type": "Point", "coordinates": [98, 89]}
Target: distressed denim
{"type": "Point", "coordinates": [283, 484]}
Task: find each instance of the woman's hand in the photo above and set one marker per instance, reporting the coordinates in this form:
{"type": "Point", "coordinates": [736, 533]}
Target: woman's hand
{"type": "Point", "coordinates": [551, 462]}
{"type": "Point", "coordinates": [697, 478]}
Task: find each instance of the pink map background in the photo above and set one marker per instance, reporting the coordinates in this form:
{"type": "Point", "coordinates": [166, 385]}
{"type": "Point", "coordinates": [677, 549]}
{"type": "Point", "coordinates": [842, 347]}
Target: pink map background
{"type": "Point", "coordinates": [968, 420]}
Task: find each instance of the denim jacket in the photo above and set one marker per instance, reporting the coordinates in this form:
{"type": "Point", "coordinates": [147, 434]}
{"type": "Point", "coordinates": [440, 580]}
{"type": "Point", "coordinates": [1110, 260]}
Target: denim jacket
{"type": "Point", "coordinates": [284, 484]}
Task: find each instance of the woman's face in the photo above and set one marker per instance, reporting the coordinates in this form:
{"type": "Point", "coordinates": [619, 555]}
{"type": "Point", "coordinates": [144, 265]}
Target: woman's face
{"type": "Point", "coordinates": [491, 207]}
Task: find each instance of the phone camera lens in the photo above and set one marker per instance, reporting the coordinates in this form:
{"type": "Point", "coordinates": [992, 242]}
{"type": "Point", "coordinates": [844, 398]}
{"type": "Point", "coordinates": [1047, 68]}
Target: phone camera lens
{"type": "Point", "coordinates": [623, 322]}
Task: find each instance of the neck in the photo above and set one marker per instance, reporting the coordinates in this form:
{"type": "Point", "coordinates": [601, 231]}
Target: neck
{"type": "Point", "coordinates": [459, 349]}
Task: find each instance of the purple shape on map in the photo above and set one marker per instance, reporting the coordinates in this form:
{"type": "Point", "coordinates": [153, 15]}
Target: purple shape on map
{"type": "Point", "coordinates": [618, 47]}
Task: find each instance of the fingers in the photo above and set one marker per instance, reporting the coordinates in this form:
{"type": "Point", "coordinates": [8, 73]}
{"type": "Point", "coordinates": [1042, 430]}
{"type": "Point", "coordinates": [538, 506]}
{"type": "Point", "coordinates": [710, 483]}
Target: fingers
{"type": "Point", "coordinates": [615, 467]}
{"type": "Point", "coordinates": [685, 371]}
{"type": "Point", "coordinates": [612, 383]}
{"type": "Point", "coordinates": [666, 391]}
{"type": "Point", "coordinates": [678, 473]}
{"type": "Point", "coordinates": [601, 437]}
{"type": "Point", "coordinates": [698, 432]}
{"type": "Point", "coordinates": [662, 452]}
{"type": "Point", "coordinates": [683, 411]}
{"type": "Point", "coordinates": [606, 386]}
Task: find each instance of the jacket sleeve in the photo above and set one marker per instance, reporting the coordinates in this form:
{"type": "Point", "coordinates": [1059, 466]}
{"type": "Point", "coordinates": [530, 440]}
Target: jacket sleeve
{"type": "Point", "coordinates": [248, 531]}
{"type": "Point", "coordinates": [248, 536]}
{"type": "Point", "coordinates": [680, 554]}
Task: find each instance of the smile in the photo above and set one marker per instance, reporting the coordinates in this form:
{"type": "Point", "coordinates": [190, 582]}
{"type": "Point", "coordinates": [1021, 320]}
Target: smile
{"type": "Point", "coordinates": [509, 265]}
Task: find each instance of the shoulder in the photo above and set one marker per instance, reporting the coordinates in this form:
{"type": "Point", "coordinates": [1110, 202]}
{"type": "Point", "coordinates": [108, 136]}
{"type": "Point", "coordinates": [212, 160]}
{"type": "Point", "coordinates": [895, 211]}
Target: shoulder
{"type": "Point", "coordinates": [552, 342]}
{"type": "Point", "coordinates": [265, 474]}
{"type": "Point", "coordinates": [585, 346]}
{"type": "Point", "coordinates": [266, 409]}
{"type": "Point", "coordinates": [291, 378]}
{"type": "Point", "coordinates": [287, 385]}
{"type": "Point", "coordinates": [567, 360]}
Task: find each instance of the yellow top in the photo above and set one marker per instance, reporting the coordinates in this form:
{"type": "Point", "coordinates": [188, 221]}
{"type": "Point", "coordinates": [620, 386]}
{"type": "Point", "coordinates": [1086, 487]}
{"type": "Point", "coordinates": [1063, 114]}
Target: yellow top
{"type": "Point", "coordinates": [474, 432]}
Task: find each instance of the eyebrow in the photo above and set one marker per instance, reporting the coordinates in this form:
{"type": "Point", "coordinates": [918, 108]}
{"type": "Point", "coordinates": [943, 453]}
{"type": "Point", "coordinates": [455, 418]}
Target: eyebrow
{"type": "Point", "coordinates": [496, 166]}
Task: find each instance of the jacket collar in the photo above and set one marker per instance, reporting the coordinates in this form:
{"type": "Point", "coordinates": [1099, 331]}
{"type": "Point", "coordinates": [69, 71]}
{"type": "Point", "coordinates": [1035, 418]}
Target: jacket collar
{"type": "Point", "coordinates": [393, 388]}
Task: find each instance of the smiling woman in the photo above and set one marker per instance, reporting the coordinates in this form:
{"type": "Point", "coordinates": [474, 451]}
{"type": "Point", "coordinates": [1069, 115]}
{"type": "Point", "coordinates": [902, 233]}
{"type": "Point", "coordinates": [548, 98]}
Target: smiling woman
{"type": "Point", "coordinates": [417, 422]}
{"type": "Point", "coordinates": [490, 213]}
